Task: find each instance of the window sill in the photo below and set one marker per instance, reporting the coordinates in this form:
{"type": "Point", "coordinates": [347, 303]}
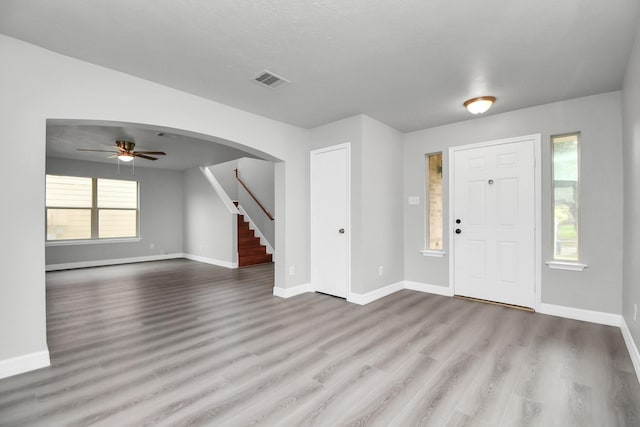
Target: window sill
{"type": "Point", "coordinates": [564, 265]}
{"type": "Point", "coordinates": [90, 242]}
{"type": "Point", "coordinates": [435, 254]}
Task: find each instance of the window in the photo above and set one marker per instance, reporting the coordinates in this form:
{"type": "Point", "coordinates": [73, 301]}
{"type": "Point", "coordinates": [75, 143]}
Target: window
{"type": "Point", "coordinates": [566, 174]}
{"type": "Point", "coordinates": [80, 208]}
{"type": "Point", "coordinates": [434, 201]}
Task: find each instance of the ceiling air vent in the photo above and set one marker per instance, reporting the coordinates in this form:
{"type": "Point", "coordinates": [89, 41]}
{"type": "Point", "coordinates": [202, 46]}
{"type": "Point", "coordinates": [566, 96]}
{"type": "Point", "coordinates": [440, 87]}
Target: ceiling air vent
{"type": "Point", "coordinates": [267, 78]}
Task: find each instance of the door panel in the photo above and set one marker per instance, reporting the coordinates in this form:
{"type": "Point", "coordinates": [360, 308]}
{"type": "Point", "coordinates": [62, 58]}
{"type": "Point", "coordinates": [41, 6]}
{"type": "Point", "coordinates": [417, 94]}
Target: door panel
{"type": "Point", "coordinates": [330, 220]}
{"type": "Point", "coordinates": [493, 196]}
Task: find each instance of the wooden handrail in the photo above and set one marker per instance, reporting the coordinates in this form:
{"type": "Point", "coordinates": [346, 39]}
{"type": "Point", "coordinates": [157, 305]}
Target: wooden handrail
{"type": "Point", "coordinates": [252, 196]}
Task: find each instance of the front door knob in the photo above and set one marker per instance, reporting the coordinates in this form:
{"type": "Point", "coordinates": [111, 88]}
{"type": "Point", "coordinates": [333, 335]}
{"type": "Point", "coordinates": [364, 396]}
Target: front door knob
{"type": "Point", "coordinates": [341, 231]}
{"type": "Point", "coordinates": [458, 231]}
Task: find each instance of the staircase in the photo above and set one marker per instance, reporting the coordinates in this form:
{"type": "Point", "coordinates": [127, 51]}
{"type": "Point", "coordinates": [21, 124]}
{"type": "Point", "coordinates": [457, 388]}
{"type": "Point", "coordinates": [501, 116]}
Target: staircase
{"type": "Point", "coordinates": [250, 251]}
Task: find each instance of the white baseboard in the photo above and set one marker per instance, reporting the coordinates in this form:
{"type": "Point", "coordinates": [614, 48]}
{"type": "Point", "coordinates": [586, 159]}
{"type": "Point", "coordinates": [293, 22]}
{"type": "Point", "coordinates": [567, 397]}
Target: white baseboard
{"type": "Point", "coordinates": [363, 299]}
{"type": "Point", "coordinates": [291, 292]}
{"type": "Point", "coordinates": [631, 346]}
{"type": "Point", "coordinates": [114, 261]}
{"type": "Point", "coordinates": [25, 363]}
{"type": "Point", "coordinates": [430, 289]}
{"type": "Point", "coordinates": [580, 314]}
{"type": "Point", "coordinates": [212, 261]}
{"type": "Point", "coordinates": [256, 230]}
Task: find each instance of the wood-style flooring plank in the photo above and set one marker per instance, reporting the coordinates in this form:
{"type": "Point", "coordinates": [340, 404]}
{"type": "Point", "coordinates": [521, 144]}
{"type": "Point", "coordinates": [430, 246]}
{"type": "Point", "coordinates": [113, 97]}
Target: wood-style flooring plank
{"type": "Point", "coordinates": [178, 342]}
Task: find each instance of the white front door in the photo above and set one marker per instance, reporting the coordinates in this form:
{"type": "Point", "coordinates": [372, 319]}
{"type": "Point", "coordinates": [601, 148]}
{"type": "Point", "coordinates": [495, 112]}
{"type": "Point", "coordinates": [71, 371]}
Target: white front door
{"type": "Point", "coordinates": [330, 227]}
{"type": "Point", "coordinates": [494, 222]}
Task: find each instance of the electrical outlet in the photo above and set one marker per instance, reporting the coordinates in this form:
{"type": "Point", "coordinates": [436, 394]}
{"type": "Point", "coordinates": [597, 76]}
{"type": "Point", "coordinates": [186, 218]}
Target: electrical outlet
{"type": "Point", "coordinates": [292, 270]}
{"type": "Point", "coordinates": [414, 200]}
{"type": "Point", "coordinates": [635, 312]}
{"type": "Point", "coordinates": [380, 271]}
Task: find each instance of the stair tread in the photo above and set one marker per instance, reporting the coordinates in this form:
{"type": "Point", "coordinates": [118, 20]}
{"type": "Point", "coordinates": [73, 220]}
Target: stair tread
{"type": "Point", "coordinates": [250, 251]}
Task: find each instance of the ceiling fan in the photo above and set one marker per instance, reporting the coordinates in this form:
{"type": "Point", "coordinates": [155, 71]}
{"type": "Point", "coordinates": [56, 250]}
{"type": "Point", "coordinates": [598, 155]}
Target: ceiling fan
{"type": "Point", "coordinates": [125, 152]}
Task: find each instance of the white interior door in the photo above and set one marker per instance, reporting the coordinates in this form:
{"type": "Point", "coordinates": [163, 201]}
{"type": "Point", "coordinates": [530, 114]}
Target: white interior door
{"type": "Point", "coordinates": [330, 227]}
{"type": "Point", "coordinates": [494, 222]}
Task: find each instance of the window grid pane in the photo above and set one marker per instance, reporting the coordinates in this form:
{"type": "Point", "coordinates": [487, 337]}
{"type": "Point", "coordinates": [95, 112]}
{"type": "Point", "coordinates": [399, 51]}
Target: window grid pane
{"type": "Point", "coordinates": [68, 224]}
{"type": "Point", "coordinates": [117, 223]}
{"type": "Point", "coordinates": [117, 194]}
{"type": "Point", "coordinates": [565, 197]}
{"type": "Point", "coordinates": [68, 191]}
{"type": "Point", "coordinates": [434, 200]}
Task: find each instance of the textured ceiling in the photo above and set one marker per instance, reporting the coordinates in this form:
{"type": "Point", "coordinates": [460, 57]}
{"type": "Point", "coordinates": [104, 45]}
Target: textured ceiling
{"type": "Point", "coordinates": [407, 63]}
{"type": "Point", "coordinates": [183, 152]}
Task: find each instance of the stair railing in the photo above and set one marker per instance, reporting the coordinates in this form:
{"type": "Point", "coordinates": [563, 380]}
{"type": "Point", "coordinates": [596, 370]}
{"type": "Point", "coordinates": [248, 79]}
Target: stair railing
{"type": "Point", "coordinates": [252, 195]}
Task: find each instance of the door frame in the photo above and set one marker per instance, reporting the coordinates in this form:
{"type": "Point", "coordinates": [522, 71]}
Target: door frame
{"type": "Point", "coordinates": [343, 146]}
{"type": "Point", "coordinates": [536, 140]}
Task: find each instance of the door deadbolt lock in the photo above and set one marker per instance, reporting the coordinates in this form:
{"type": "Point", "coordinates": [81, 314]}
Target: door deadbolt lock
{"type": "Point", "coordinates": [490, 182]}
{"type": "Point", "coordinates": [341, 231]}
{"type": "Point", "coordinates": [458, 221]}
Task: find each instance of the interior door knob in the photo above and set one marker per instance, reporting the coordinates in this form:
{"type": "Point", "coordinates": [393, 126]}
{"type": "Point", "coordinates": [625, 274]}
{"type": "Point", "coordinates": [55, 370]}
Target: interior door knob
{"type": "Point", "coordinates": [458, 231]}
{"type": "Point", "coordinates": [341, 231]}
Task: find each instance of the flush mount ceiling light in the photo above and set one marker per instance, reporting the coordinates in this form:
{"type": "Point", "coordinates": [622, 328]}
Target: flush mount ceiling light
{"type": "Point", "coordinates": [480, 104]}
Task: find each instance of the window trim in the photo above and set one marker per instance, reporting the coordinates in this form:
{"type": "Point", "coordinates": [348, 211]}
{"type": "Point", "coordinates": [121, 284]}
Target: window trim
{"type": "Point", "coordinates": [77, 242]}
{"type": "Point", "coordinates": [95, 212]}
{"type": "Point", "coordinates": [559, 263]}
{"type": "Point", "coordinates": [566, 265]}
{"type": "Point", "coordinates": [428, 251]}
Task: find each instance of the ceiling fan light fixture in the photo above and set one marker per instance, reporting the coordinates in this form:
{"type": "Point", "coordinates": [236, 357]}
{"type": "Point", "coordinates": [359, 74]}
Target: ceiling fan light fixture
{"type": "Point", "coordinates": [480, 104]}
{"type": "Point", "coordinates": [125, 157]}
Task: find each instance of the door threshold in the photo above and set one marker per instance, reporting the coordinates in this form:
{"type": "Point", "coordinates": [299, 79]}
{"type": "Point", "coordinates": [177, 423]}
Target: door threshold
{"type": "Point", "coordinates": [329, 295]}
{"type": "Point", "coordinates": [501, 304]}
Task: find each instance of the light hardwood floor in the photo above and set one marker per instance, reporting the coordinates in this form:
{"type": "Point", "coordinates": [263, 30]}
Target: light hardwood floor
{"type": "Point", "coordinates": [183, 343]}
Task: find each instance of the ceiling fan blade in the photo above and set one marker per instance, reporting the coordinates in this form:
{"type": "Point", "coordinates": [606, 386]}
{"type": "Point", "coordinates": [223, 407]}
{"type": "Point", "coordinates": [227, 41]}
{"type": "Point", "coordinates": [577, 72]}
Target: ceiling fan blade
{"type": "Point", "coordinates": [113, 156]}
{"type": "Point", "coordinates": [136, 154]}
{"type": "Point", "coordinates": [100, 151]}
{"type": "Point", "coordinates": [157, 153]}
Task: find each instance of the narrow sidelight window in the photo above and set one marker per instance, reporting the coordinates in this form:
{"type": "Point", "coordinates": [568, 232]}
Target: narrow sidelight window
{"type": "Point", "coordinates": [566, 182]}
{"type": "Point", "coordinates": [434, 201]}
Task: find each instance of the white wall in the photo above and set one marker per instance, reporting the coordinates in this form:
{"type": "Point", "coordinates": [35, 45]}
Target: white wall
{"type": "Point", "coordinates": [37, 85]}
{"type": "Point", "coordinates": [209, 228]}
{"type": "Point", "coordinates": [598, 118]}
{"type": "Point", "coordinates": [631, 136]}
{"type": "Point", "coordinates": [160, 213]}
{"type": "Point", "coordinates": [376, 194]}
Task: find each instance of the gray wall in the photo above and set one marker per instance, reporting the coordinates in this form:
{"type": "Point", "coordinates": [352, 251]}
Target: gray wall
{"type": "Point", "coordinates": [376, 194]}
{"type": "Point", "coordinates": [381, 198]}
{"type": "Point", "coordinates": [599, 287]}
{"type": "Point", "coordinates": [348, 130]}
{"type": "Point", "coordinates": [209, 228]}
{"type": "Point", "coordinates": [631, 136]}
{"type": "Point", "coordinates": [225, 176]}
{"type": "Point", "coordinates": [161, 214]}
{"type": "Point", "coordinates": [37, 85]}
{"type": "Point", "coordinates": [258, 176]}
